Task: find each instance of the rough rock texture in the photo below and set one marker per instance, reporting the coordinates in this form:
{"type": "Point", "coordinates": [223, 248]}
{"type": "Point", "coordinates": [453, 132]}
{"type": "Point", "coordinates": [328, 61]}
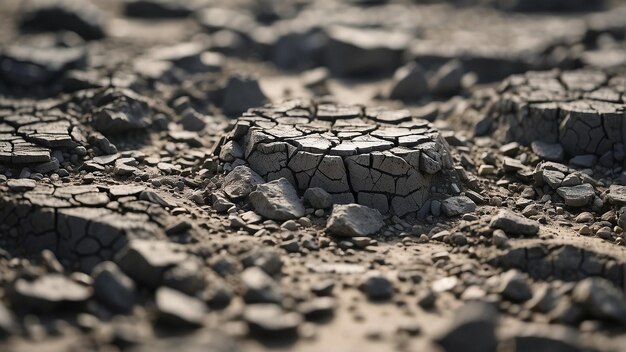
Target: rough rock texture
{"type": "Point", "coordinates": [581, 110]}
{"type": "Point", "coordinates": [514, 224]}
{"type": "Point", "coordinates": [384, 159]}
{"type": "Point", "coordinates": [277, 200]}
{"type": "Point", "coordinates": [354, 220]}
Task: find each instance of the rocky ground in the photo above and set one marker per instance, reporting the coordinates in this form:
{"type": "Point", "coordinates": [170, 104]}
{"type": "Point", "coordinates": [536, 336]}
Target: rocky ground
{"type": "Point", "coordinates": [312, 175]}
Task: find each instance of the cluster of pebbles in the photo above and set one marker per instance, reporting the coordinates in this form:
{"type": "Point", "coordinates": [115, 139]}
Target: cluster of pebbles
{"type": "Point", "coordinates": [166, 183]}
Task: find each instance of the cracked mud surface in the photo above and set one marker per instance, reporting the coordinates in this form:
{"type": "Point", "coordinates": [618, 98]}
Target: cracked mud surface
{"type": "Point", "coordinates": [312, 175]}
{"type": "Point", "coordinates": [384, 159]}
{"type": "Point", "coordinates": [581, 110]}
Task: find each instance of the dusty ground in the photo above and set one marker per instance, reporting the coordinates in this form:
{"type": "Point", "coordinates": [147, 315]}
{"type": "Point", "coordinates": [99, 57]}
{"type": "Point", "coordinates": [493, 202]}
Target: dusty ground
{"type": "Point", "coordinates": [312, 175]}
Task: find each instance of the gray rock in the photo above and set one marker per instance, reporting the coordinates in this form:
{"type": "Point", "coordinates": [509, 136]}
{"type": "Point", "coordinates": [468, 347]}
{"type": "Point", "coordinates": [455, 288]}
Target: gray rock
{"type": "Point", "coordinates": [270, 320]}
{"type": "Point", "coordinates": [352, 51]}
{"type": "Point", "coordinates": [21, 184]}
{"type": "Point", "coordinates": [584, 161]}
{"type": "Point", "coordinates": [447, 80]}
{"type": "Point", "coordinates": [44, 168]}
{"type": "Point", "coordinates": [240, 94]}
{"type": "Point", "coordinates": [376, 286]}
{"type": "Point", "coordinates": [177, 309]}
{"type": "Point", "coordinates": [458, 205]}
{"type": "Point", "coordinates": [514, 224]}
{"type": "Point", "coordinates": [475, 322]}
{"type": "Point", "coordinates": [231, 151]}
{"type": "Point", "coordinates": [318, 198]}
{"type": "Point", "coordinates": [352, 220]}
{"type": "Point", "coordinates": [221, 204]}
{"type": "Point", "coordinates": [145, 261]}
{"type": "Point", "coordinates": [192, 121]}
{"type": "Point", "coordinates": [259, 287]}
{"type": "Point", "coordinates": [548, 151]}
{"type": "Point", "coordinates": [577, 196]}
{"type": "Point", "coordinates": [113, 288]}
{"type": "Point", "coordinates": [617, 195]}
{"type": "Point", "coordinates": [48, 293]}
{"type": "Point", "coordinates": [317, 308]}
{"type": "Point", "coordinates": [277, 200]}
{"type": "Point", "coordinates": [601, 299]}
{"type": "Point", "coordinates": [553, 178]}
{"type": "Point", "coordinates": [187, 277]}
{"type": "Point", "coordinates": [120, 116]}
{"type": "Point", "coordinates": [514, 286]}
{"type": "Point", "coordinates": [409, 83]}
{"type": "Point", "coordinates": [240, 182]}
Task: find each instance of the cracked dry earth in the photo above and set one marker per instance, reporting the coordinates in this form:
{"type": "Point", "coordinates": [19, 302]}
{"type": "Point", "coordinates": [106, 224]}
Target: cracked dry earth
{"type": "Point", "coordinates": [312, 175]}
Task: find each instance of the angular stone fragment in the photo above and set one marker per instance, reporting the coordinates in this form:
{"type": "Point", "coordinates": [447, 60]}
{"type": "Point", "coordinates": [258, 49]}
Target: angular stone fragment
{"type": "Point", "coordinates": [458, 205]}
{"type": "Point", "coordinates": [120, 117]}
{"type": "Point", "coordinates": [270, 320]}
{"type": "Point", "coordinates": [113, 287]}
{"type": "Point", "coordinates": [260, 287]}
{"type": "Point", "coordinates": [176, 309]}
{"type": "Point", "coordinates": [352, 220]}
{"type": "Point", "coordinates": [577, 196]}
{"type": "Point", "coordinates": [617, 194]}
{"type": "Point", "coordinates": [409, 83]}
{"type": "Point", "coordinates": [145, 261]}
{"type": "Point", "coordinates": [514, 287]}
{"type": "Point", "coordinates": [240, 94]}
{"type": "Point", "coordinates": [277, 200]}
{"type": "Point", "coordinates": [474, 321]}
{"type": "Point", "coordinates": [548, 151]}
{"type": "Point", "coordinates": [514, 224]}
{"type": "Point", "coordinates": [376, 286]}
{"type": "Point", "coordinates": [49, 292]}
{"type": "Point", "coordinates": [447, 80]}
{"type": "Point", "coordinates": [318, 198]}
{"type": "Point", "coordinates": [240, 182]}
{"type": "Point", "coordinates": [601, 299]}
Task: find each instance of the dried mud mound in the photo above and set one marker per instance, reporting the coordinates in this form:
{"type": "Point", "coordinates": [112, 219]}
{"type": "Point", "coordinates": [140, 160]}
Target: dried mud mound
{"type": "Point", "coordinates": [583, 110]}
{"type": "Point", "coordinates": [385, 159]}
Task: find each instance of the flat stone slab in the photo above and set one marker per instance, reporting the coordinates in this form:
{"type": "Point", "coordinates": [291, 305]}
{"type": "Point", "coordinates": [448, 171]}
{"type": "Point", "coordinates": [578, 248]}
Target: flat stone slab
{"type": "Point", "coordinates": [577, 196]}
{"type": "Point", "coordinates": [514, 224]}
{"type": "Point", "coordinates": [384, 159]}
